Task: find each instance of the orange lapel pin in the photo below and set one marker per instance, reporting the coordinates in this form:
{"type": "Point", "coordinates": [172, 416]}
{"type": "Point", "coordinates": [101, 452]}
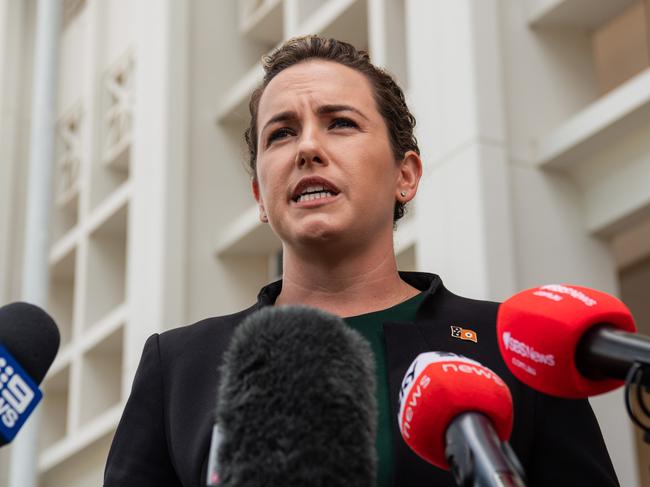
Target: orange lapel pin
{"type": "Point", "coordinates": [464, 333]}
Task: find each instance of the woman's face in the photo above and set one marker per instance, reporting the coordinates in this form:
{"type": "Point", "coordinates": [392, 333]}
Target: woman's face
{"type": "Point", "coordinates": [325, 168]}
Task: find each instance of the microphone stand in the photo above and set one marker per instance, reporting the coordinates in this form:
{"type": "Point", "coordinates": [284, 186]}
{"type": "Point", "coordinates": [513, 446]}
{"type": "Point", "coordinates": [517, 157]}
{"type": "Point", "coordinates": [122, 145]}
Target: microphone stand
{"type": "Point", "coordinates": [625, 356]}
{"type": "Point", "coordinates": [607, 349]}
{"type": "Point", "coordinates": [478, 458]}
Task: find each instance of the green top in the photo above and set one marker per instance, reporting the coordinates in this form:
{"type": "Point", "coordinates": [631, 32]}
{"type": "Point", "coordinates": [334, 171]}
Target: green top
{"type": "Point", "coordinates": [370, 326]}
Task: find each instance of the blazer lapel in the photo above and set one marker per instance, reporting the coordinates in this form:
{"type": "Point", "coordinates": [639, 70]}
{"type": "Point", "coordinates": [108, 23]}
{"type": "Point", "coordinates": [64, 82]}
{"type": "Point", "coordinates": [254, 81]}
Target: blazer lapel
{"type": "Point", "coordinates": [404, 342]}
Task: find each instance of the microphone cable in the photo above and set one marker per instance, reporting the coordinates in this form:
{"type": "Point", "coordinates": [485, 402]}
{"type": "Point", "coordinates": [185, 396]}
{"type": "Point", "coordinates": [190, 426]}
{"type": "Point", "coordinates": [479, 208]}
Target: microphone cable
{"type": "Point", "coordinates": [635, 385]}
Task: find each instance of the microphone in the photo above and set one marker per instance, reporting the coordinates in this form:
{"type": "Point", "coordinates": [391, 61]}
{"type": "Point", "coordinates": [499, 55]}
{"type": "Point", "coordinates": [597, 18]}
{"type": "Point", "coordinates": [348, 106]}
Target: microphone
{"type": "Point", "coordinates": [569, 341]}
{"type": "Point", "coordinates": [29, 341]}
{"type": "Point", "coordinates": [296, 403]}
{"type": "Point", "coordinates": [457, 414]}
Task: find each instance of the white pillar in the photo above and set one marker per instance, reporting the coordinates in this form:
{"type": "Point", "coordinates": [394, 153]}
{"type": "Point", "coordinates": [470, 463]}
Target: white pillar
{"type": "Point", "coordinates": [24, 457]}
{"type": "Point", "coordinates": [12, 22]}
{"type": "Point", "coordinates": [463, 211]}
{"type": "Point", "coordinates": [157, 216]}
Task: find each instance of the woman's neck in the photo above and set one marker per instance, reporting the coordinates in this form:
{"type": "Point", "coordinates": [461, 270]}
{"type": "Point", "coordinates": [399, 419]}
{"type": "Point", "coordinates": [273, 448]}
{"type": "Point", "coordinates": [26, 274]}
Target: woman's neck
{"type": "Point", "coordinates": [344, 287]}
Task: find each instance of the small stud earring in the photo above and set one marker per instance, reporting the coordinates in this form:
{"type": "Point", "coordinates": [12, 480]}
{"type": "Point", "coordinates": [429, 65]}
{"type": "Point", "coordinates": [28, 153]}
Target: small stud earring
{"type": "Point", "coordinates": [403, 193]}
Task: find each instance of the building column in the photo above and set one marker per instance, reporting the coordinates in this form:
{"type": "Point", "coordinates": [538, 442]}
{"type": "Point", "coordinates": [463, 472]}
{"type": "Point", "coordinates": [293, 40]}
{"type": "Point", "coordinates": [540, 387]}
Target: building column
{"type": "Point", "coordinates": [463, 209]}
{"type": "Point", "coordinates": [157, 218]}
{"type": "Point", "coordinates": [12, 32]}
{"type": "Point", "coordinates": [35, 274]}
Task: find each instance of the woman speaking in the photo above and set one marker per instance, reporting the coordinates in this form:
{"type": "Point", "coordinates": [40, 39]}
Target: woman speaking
{"type": "Point", "coordinates": [333, 163]}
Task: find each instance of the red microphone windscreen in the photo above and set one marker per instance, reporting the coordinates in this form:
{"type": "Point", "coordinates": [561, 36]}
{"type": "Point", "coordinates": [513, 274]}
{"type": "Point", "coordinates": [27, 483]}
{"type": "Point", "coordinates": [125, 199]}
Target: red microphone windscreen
{"type": "Point", "coordinates": [440, 386]}
{"type": "Point", "coordinates": [539, 330]}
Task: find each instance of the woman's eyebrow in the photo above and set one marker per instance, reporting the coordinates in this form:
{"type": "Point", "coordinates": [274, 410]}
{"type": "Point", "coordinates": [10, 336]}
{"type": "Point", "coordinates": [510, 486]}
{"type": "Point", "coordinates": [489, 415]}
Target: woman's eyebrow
{"type": "Point", "coordinates": [285, 116]}
{"type": "Point", "coordinates": [327, 109]}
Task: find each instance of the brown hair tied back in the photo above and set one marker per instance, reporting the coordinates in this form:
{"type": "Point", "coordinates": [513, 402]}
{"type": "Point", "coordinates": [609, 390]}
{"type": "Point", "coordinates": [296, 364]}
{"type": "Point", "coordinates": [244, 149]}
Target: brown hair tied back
{"type": "Point", "coordinates": [388, 95]}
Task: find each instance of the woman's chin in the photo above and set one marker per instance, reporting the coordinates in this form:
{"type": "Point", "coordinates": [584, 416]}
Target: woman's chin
{"type": "Point", "coordinates": [324, 233]}
{"type": "Point", "coordinates": [318, 235]}
{"type": "Point", "coordinates": [316, 232]}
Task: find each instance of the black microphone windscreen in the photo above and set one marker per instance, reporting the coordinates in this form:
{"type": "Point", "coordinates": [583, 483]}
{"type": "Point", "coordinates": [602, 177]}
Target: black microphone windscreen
{"type": "Point", "coordinates": [31, 337]}
{"type": "Point", "coordinates": [297, 403]}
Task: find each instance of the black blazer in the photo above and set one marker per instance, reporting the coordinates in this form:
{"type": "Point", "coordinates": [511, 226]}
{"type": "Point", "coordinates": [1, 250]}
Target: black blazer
{"type": "Point", "coordinates": [164, 434]}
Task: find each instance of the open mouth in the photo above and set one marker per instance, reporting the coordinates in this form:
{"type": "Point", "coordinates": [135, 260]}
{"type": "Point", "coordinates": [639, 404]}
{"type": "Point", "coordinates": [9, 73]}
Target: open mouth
{"type": "Point", "coordinates": [310, 189]}
{"type": "Point", "coordinates": [314, 193]}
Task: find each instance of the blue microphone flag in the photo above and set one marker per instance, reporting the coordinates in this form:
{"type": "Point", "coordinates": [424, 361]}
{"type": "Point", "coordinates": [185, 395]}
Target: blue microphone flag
{"type": "Point", "coordinates": [19, 395]}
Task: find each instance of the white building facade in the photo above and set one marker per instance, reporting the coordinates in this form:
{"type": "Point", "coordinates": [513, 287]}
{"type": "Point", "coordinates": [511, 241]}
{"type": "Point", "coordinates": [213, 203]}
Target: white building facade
{"type": "Point", "coordinates": [533, 121]}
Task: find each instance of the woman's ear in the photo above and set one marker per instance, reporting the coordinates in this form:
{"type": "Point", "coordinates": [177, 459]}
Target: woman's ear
{"type": "Point", "coordinates": [410, 172]}
{"type": "Point", "coordinates": [260, 203]}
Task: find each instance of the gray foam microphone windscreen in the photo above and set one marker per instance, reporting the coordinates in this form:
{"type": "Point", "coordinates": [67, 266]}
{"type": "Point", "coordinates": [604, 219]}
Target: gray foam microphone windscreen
{"type": "Point", "coordinates": [296, 403]}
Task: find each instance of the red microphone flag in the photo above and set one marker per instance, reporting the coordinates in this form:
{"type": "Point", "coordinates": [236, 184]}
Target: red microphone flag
{"type": "Point", "coordinates": [440, 386]}
{"type": "Point", "coordinates": [539, 330]}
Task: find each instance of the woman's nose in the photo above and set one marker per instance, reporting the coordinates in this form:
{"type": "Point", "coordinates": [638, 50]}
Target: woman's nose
{"type": "Point", "coordinates": [310, 149]}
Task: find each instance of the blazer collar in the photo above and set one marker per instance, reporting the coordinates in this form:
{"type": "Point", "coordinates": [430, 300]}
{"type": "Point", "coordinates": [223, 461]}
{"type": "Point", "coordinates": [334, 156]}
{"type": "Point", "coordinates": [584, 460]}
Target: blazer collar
{"type": "Point", "coordinates": [423, 281]}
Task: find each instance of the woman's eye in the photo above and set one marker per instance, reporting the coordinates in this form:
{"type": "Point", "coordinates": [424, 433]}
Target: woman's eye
{"type": "Point", "coordinates": [342, 123]}
{"type": "Point", "coordinates": [279, 134]}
